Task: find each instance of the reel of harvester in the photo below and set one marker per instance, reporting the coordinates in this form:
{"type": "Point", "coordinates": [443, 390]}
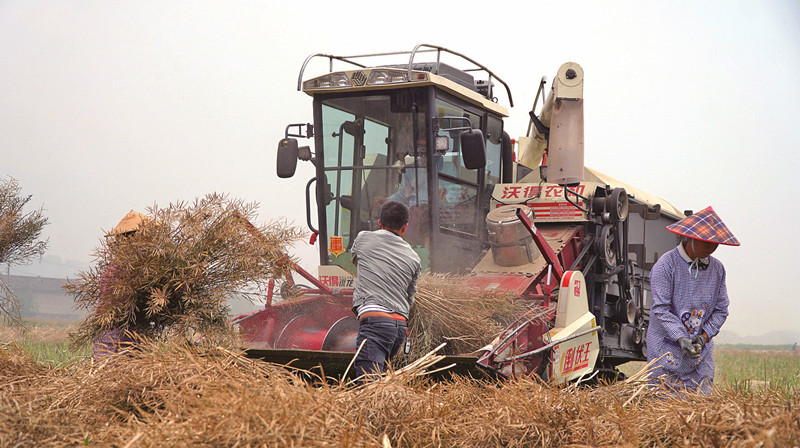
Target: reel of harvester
{"type": "Point", "coordinates": [521, 349]}
{"type": "Point", "coordinates": [563, 353]}
{"type": "Point", "coordinates": [558, 342]}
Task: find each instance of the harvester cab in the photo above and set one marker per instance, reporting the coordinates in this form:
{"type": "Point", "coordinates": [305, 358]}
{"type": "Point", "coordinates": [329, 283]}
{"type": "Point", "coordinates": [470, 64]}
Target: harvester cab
{"type": "Point", "coordinates": [425, 134]}
{"type": "Point", "coordinates": [573, 242]}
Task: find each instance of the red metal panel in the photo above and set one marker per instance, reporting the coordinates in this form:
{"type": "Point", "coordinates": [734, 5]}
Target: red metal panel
{"type": "Point", "coordinates": [501, 282]}
{"type": "Point", "coordinates": [301, 323]}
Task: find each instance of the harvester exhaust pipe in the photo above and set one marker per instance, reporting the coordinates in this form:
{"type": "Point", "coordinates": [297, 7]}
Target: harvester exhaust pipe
{"type": "Point", "coordinates": [565, 153]}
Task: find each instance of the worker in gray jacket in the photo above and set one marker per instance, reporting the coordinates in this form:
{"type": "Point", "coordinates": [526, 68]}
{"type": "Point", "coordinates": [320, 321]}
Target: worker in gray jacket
{"type": "Point", "coordinates": [386, 280]}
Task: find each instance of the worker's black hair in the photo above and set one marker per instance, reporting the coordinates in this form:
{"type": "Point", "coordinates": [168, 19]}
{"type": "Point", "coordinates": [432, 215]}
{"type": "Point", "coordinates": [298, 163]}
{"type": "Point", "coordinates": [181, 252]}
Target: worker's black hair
{"type": "Point", "coordinates": [394, 215]}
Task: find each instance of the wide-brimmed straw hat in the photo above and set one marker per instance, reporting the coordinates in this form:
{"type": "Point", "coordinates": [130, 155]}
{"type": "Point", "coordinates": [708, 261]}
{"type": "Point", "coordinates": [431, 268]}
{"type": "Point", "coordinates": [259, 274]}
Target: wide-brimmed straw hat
{"type": "Point", "coordinates": [129, 223]}
{"type": "Point", "coordinates": [705, 225]}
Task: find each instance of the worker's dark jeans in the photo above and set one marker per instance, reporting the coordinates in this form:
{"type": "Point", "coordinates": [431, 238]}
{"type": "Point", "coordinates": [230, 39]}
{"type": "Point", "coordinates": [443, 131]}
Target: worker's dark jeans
{"type": "Point", "coordinates": [384, 337]}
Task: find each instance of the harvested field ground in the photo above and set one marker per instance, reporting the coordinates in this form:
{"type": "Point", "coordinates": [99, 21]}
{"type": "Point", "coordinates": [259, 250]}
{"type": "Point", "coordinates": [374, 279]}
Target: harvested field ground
{"type": "Point", "coordinates": [170, 395]}
{"type": "Point", "coordinates": [46, 341]}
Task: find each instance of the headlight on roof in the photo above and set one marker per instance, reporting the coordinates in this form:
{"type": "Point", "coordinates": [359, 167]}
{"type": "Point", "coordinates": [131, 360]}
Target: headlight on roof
{"type": "Point", "coordinates": [383, 76]}
{"type": "Point", "coordinates": [338, 79]}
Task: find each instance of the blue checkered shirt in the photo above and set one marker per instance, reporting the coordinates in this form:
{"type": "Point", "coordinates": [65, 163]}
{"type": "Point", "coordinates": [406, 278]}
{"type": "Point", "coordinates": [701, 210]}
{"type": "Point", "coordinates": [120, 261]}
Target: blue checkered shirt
{"type": "Point", "coordinates": [685, 306]}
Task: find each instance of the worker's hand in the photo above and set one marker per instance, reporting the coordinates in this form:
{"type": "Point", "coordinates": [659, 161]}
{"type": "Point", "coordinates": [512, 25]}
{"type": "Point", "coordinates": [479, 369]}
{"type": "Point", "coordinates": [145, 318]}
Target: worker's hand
{"type": "Point", "coordinates": [699, 342]}
{"type": "Point", "coordinates": [688, 347]}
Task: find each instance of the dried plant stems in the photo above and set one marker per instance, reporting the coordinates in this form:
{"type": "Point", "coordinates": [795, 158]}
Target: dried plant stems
{"type": "Point", "coordinates": [448, 310]}
{"type": "Point", "coordinates": [169, 394]}
{"type": "Point", "coordinates": [174, 274]}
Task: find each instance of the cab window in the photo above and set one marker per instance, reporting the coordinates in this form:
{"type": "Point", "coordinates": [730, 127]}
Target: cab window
{"type": "Point", "coordinates": [458, 186]}
{"type": "Point", "coordinates": [366, 142]}
{"type": "Point", "coordinates": [494, 151]}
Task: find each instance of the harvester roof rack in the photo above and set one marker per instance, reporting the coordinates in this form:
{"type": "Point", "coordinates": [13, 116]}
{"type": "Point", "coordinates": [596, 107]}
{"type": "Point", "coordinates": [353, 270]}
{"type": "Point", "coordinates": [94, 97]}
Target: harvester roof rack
{"type": "Point", "coordinates": [437, 68]}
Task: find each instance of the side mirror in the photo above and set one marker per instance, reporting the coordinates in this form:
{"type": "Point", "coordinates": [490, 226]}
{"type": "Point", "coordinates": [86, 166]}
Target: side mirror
{"type": "Point", "coordinates": [473, 149]}
{"type": "Point", "coordinates": [287, 157]}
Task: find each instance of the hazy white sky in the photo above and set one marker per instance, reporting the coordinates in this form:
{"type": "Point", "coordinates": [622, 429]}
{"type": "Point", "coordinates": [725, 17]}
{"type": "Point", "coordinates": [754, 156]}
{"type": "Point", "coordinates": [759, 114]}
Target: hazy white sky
{"type": "Point", "coordinates": [111, 106]}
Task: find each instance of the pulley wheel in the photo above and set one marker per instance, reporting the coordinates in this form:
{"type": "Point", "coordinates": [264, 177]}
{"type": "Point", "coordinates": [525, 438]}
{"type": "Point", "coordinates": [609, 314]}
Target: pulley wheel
{"type": "Point", "coordinates": [605, 246]}
{"type": "Point", "coordinates": [626, 311]}
{"type": "Point", "coordinates": [617, 205]}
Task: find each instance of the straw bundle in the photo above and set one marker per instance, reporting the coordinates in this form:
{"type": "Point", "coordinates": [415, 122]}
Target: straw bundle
{"type": "Point", "coordinates": [179, 395]}
{"type": "Point", "coordinates": [175, 272]}
{"type": "Point", "coordinates": [446, 309]}
{"type": "Point", "coordinates": [15, 363]}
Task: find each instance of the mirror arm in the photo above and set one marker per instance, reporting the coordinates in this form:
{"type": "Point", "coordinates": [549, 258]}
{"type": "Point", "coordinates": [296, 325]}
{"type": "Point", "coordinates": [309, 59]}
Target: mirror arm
{"type": "Point", "coordinates": [309, 131]}
{"type": "Point", "coordinates": [457, 128]}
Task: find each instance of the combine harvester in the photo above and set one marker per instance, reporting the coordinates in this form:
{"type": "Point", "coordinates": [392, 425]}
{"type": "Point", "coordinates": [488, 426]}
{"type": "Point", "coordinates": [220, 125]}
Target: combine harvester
{"type": "Point", "coordinates": [576, 244]}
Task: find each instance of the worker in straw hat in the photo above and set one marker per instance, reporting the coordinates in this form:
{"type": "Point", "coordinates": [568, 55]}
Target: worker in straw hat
{"type": "Point", "coordinates": [116, 339]}
{"type": "Point", "coordinates": [129, 224]}
{"type": "Point", "coordinates": [690, 303]}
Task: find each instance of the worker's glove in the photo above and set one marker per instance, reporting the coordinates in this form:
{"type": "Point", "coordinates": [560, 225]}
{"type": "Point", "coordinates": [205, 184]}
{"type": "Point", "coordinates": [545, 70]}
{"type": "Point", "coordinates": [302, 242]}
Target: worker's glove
{"type": "Point", "coordinates": [699, 342]}
{"type": "Point", "coordinates": [688, 347]}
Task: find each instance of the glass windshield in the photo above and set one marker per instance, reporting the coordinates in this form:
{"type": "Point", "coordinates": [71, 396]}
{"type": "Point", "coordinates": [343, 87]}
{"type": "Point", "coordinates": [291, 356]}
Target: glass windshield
{"type": "Point", "coordinates": [370, 155]}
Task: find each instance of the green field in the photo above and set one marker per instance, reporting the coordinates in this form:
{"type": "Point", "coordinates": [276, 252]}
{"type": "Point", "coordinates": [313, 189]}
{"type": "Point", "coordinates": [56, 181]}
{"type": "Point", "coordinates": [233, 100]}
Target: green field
{"type": "Point", "coordinates": [47, 341]}
{"type": "Point", "coordinates": [758, 368]}
{"type": "Point", "coordinates": [749, 366]}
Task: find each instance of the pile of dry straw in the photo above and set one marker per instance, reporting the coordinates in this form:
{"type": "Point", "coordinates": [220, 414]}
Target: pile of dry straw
{"type": "Point", "coordinates": [177, 395]}
{"type": "Point", "coordinates": [447, 309]}
{"type": "Point", "coordinates": [173, 275]}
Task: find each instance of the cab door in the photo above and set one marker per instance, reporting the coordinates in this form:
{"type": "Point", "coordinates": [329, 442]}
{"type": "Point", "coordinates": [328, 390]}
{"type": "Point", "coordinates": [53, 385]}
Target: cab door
{"type": "Point", "coordinates": [458, 220]}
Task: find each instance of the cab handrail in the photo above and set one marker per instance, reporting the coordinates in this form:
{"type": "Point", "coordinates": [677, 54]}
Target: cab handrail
{"type": "Point", "coordinates": [420, 48]}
